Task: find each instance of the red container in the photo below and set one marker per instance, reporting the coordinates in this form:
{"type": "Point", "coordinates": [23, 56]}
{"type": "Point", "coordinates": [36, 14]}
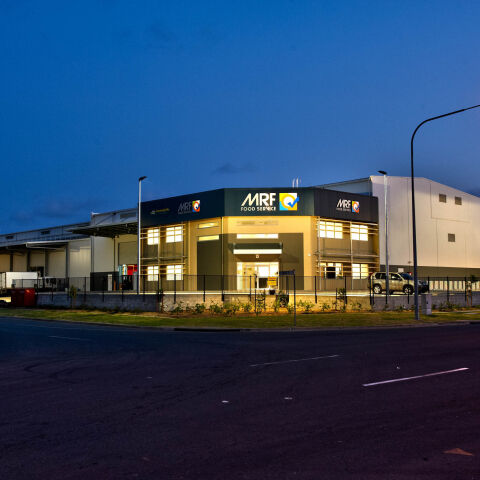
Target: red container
{"type": "Point", "coordinates": [29, 299]}
{"type": "Point", "coordinates": [23, 297]}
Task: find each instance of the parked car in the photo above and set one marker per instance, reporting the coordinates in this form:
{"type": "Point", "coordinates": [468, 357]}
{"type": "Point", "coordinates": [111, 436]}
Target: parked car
{"type": "Point", "coordinates": [398, 282]}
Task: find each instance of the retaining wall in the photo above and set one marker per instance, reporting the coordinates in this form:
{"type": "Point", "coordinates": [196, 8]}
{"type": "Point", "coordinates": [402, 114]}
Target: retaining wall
{"type": "Point", "coordinates": [152, 303]}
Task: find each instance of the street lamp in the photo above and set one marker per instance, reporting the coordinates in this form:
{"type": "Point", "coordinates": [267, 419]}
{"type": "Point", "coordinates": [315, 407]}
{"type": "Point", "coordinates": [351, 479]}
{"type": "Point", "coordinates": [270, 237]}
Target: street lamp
{"type": "Point", "coordinates": [139, 231]}
{"type": "Point", "coordinates": [387, 272]}
{"type": "Point", "coordinates": [414, 228]}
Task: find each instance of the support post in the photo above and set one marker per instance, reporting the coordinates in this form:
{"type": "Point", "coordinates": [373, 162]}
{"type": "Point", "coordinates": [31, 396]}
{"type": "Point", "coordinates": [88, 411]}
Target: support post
{"type": "Point", "coordinates": [345, 298]}
{"type": "Point", "coordinates": [315, 281]}
{"type": "Point", "coordinates": [174, 288]}
{"type": "Point", "coordinates": [294, 302]}
{"type": "Point", "coordinates": [448, 291]}
{"type": "Point", "coordinates": [204, 288]}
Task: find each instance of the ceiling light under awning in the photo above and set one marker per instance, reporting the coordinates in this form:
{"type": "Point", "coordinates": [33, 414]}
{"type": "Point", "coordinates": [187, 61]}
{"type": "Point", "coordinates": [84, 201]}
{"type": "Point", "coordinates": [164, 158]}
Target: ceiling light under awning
{"type": "Point", "coordinates": [257, 248]}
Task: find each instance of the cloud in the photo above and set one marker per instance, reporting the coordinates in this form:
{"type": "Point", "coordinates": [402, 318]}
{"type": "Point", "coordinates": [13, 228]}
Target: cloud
{"type": "Point", "coordinates": [55, 210]}
{"type": "Point", "coordinates": [229, 169]}
{"type": "Point", "coordinates": [159, 36]}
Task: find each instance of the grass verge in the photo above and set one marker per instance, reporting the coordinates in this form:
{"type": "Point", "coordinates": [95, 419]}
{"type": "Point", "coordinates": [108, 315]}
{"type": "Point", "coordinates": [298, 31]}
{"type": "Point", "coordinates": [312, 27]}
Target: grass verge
{"type": "Point", "coordinates": [315, 320]}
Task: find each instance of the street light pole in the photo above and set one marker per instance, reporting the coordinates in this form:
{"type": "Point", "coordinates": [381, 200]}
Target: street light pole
{"type": "Point", "coordinates": [387, 270]}
{"type": "Point", "coordinates": [139, 232]}
{"type": "Point", "coordinates": [414, 227]}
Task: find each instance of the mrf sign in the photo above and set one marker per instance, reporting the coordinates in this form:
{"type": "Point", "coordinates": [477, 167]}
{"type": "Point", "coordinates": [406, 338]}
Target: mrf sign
{"type": "Point", "coordinates": [347, 205]}
{"type": "Point", "coordinates": [259, 202]}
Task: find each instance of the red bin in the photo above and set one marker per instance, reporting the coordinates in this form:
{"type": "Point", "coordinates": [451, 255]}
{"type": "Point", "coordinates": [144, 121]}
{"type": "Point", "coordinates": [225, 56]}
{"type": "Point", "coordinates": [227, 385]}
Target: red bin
{"type": "Point", "coordinates": [23, 297]}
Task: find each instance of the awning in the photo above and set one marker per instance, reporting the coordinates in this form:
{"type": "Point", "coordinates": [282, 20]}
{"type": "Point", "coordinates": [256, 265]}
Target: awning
{"type": "Point", "coordinates": [109, 230]}
{"type": "Point", "coordinates": [257, 248]}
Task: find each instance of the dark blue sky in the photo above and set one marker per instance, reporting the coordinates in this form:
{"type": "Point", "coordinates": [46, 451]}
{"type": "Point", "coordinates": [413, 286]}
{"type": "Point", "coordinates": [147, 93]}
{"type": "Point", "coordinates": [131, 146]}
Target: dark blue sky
{"type": "Point", "coordinates": [203, 94]}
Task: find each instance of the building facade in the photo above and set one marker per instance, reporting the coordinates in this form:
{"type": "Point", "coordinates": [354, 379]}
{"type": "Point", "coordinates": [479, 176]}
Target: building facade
{"type": "Point", "coordinates": [229, 238]}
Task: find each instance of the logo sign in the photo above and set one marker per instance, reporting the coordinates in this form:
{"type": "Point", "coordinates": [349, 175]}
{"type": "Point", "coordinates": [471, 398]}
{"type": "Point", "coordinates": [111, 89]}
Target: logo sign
{"type": "Point", "coordinates": [289, 201]}
{"type": "Point", "coordinates": [345, 205]}
{"type": "Point", "coordinates": [259, 202]}
{"type": "Point", "coordinates": [189, 207]}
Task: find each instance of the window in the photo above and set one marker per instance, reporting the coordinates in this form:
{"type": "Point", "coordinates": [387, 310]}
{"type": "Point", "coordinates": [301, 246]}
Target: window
{"type": "Point", "coordinates": [451, 237]}
{"type": "Point", "coordinates": [330, 230]}
{"type": "Point", "coordinates": [458, 200]}
{"type": "Point", "coordinates": [153, 235]}
{"type": "Point", "coordinates": [208, 225]}
{"type": "Point", "coordinates": [45, 232]}
{"type": "Point", "coordinates": [442, 198]}
{"type": "Point", "coordinates": [359, 232]}
{"type": "Point", "coordinates": [9, 237]}
{"type": "Point", "coordinates": [174, 272]}
{"type": "Point", "coordinates": [331, 270]}
{"type": "Point", "coordinates": [208, 238]}
{"type": "Point", "coordinates": [174, 234]}
{"type": "Point", "coordinates": [152, 273]}
{"type": "Point", "coordinates": [257, 235]}
{"type": "Point", "coordinates": [359, 270]}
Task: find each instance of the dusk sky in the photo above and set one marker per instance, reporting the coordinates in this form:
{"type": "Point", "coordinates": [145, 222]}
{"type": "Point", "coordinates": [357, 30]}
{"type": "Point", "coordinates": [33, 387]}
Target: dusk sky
{"type": "Point", "coordinates": [200, 95]}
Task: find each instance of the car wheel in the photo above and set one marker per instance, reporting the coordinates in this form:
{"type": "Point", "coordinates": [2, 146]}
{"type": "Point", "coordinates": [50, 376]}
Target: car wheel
{"type": "Point", "coordinates": [377, 289]}
{"type": "Point", "coordinates": [407, 289]}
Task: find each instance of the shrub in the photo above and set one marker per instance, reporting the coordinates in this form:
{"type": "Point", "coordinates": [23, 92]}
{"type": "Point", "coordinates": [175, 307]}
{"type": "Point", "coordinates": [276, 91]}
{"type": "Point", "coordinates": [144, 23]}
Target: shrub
{"type": "Point", "coordinates": [177, 308]}
{"type": "Point", "coordinates": [276, 305]}
{"type": "Point", "coordinates": [325, 307]}
{"type": "Point", "coordinates": [199, 308]}
{"type": "Point", "coordinates": [247, 307]}
{"type": "Point", "coordinates": [306, 305]}
{"type": "Point", "coordinates": [290, 307]}
{"type": "Point", "coordinates": [215, 308]}
{"type": "Point", "coordinates": [282, 299]}
{"type": "Point", "coordinates": [231, 308]}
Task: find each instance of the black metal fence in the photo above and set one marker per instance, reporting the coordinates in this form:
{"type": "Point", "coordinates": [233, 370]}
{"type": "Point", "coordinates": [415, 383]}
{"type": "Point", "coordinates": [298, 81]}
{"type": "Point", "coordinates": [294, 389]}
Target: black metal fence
{"type": "Point", "coordinates": [238, 284]}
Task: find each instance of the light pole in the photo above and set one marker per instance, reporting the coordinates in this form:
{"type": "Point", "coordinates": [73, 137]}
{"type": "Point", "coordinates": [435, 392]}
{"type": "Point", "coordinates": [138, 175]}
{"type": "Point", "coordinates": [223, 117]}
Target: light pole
{"type": "Point", "coordinates": [139, 232]}
{"type": "Point", "coordinates": [414, 228]}
{"type": "Point", "coordinates": [387, 270]}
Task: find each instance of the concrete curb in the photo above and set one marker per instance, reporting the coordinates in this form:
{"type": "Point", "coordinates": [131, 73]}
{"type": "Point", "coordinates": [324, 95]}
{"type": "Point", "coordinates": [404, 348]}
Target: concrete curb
{"type": "Point", "coordinates": [254, 330]}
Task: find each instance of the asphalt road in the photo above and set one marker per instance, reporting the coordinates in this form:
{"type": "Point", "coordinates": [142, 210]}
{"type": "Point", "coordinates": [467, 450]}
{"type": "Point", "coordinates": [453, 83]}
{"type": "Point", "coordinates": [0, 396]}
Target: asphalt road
{"type": "Point", "coordinates": [90, 402]}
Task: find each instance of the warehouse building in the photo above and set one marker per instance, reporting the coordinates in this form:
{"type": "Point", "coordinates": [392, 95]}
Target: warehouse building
{"type": "Point", "coordinates": [229, 238]}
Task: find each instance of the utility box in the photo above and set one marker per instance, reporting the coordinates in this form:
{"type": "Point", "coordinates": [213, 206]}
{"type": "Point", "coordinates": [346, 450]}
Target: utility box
{"type": "Point", "coordinates": [23, 297]}
{"type": "Point", "coordinates": [426, 303]}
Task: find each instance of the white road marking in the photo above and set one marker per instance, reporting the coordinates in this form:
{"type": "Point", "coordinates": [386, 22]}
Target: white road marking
{"type": "Point", "coordinates": [225, 401]}
{"type": "Point", "coordinates": [70, 338]}
{"type": "Point", "coordinates": [293, 361]}
{"type": "Point", "coordinates": [413, 378]}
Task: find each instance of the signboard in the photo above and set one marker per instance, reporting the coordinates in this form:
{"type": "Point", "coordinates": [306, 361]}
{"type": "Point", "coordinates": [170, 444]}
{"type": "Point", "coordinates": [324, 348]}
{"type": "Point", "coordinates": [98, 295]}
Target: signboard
{"type": "Point", "coordinates": [285, 202]}
{"type": "Point", "coordinates": [272, 281]}
{"type": "Point", "coordinates": [346, 206]}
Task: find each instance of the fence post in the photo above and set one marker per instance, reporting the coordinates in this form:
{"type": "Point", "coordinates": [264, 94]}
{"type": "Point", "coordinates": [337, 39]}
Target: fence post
{"type": "Point", "coordinates": [103, 288]}
{"type": "Point", "coordinates": [158, 289]}
{"type": "Point", "coordinates": [294, 302]}
{"type": "Point", "coordinates": [315, 277]}
{"type": "Point", "coordinates": [370, 291]}
{"type": "Point", "coordinates": [84, 289]}
{"type": "Point", "coordinates": [345, 301]}
{"type": "Point", "coordinates": [174, 288]}
{"type": "Point", "coordinates": [255, 294]}
{"type": "Point", "coordinates": [204, 288]}
{"type": "Point", "coordinates": [448, 291]}
{"type": "Point", "coordinates": [223, 288]}
{"type": "Point", "coordinates": [250, 285]}
{"type": "Point", "coordinates": [122, 285]}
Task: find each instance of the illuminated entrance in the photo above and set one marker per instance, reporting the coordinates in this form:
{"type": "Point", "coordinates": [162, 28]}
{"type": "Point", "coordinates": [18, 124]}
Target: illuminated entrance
{"type": "Point", "coordinates": [257, 275]}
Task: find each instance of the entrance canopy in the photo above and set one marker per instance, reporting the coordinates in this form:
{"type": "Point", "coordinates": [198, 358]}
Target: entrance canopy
{"type": "Point", "coordinates": [258, 248]}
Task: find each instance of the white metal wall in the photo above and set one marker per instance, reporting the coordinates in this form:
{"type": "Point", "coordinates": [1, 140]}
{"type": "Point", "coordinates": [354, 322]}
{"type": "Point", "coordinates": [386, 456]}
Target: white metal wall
{"type": "Point", "coordinates": [435, 220]}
